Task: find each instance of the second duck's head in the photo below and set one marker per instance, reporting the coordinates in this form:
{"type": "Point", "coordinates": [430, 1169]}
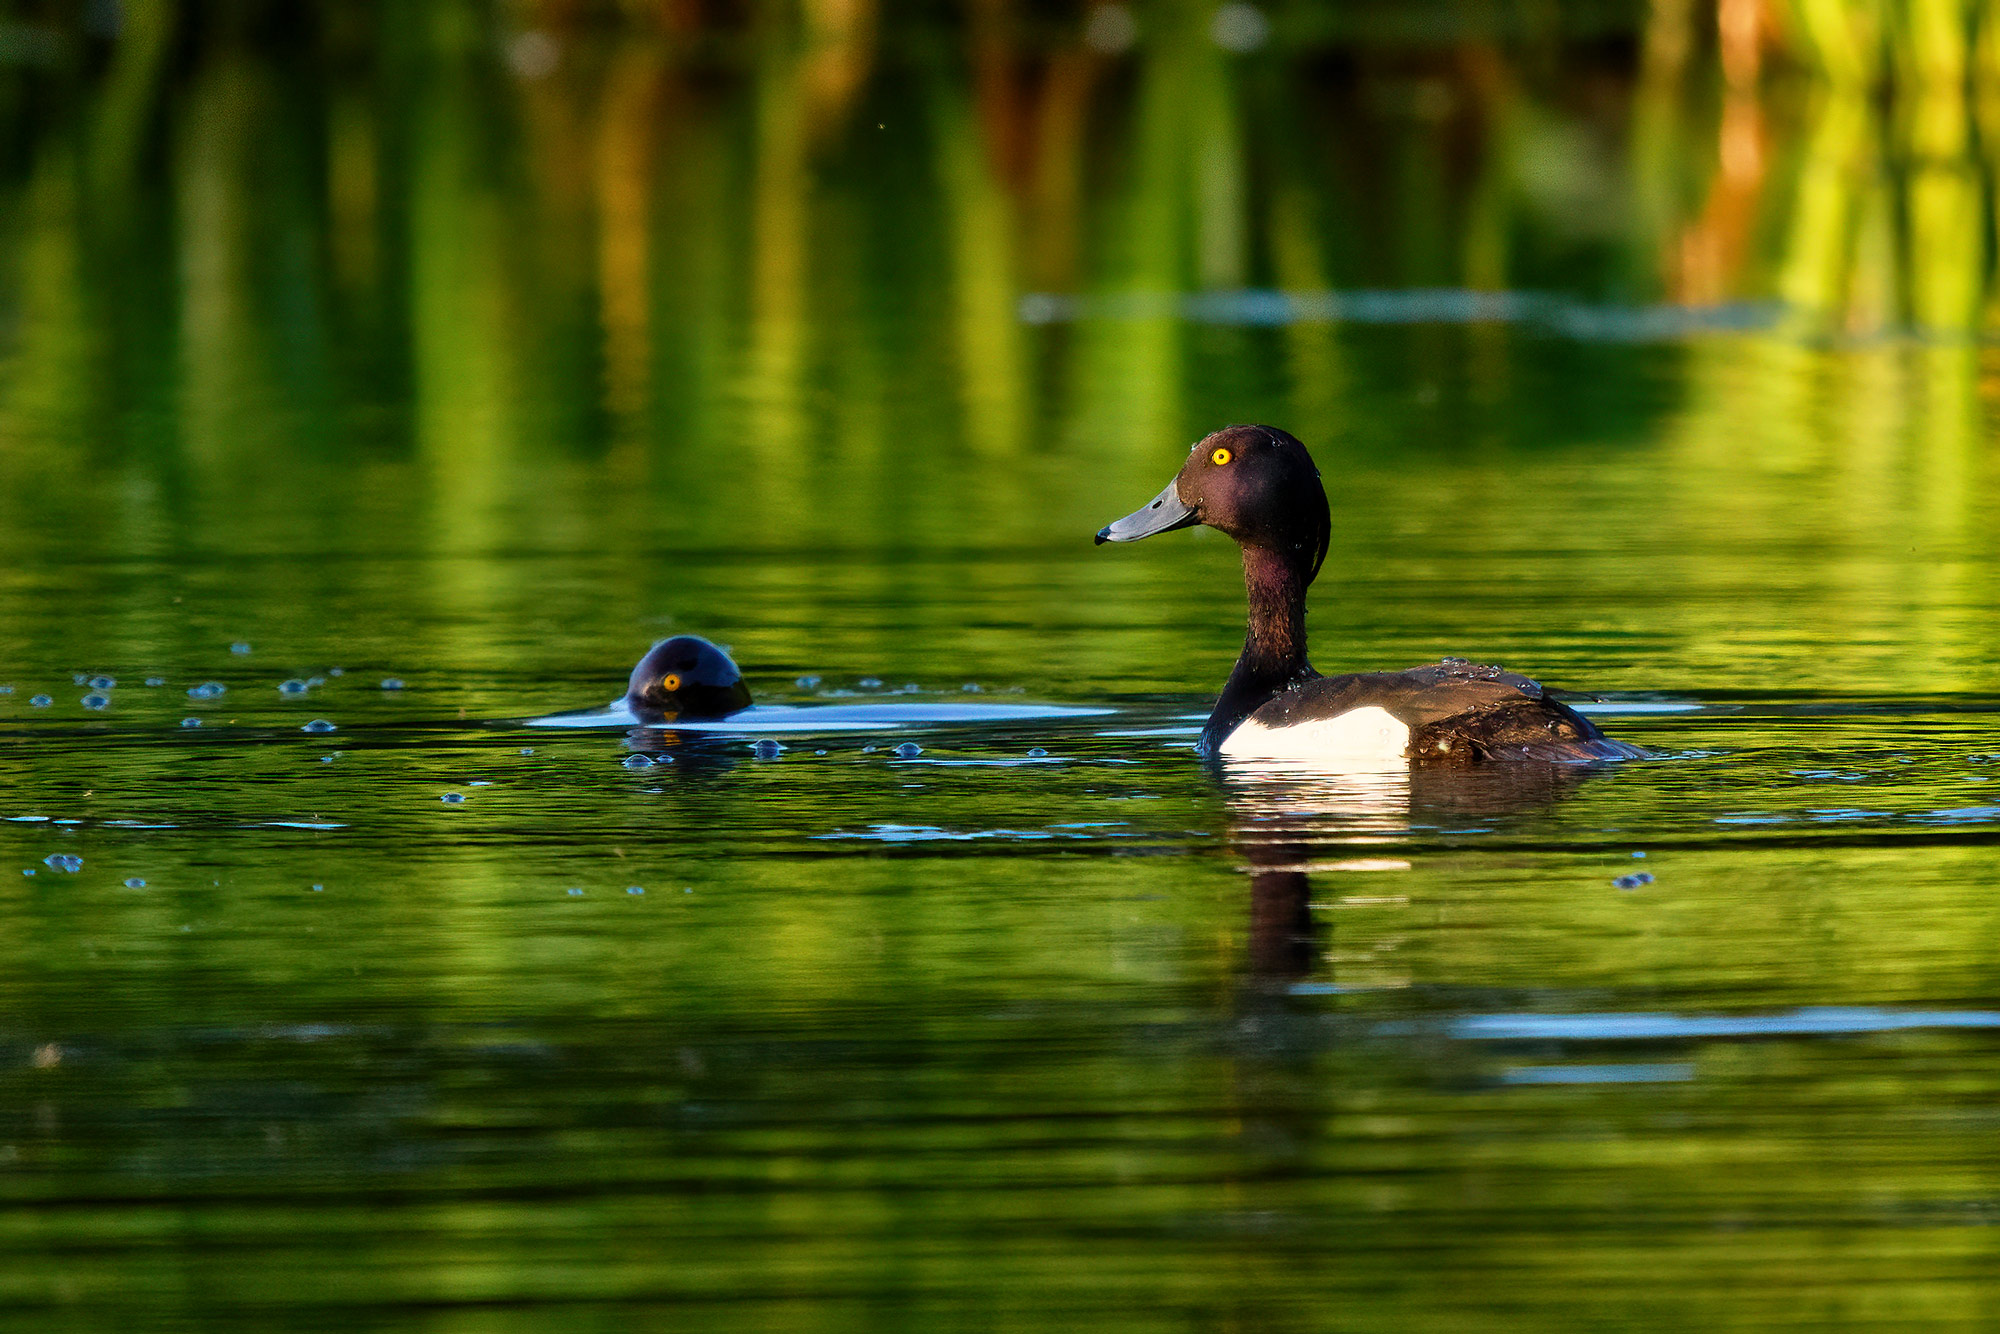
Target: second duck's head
{"type": "Point", "coordinates": [1256, 483]}
{"type": "Point", "coordinates": [685, 677]}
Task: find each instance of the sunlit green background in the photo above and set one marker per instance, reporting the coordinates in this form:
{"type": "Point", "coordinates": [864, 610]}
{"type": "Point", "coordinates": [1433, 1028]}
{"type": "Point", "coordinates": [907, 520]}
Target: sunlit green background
{"type": "Point", "coordinates": [1647, 347]}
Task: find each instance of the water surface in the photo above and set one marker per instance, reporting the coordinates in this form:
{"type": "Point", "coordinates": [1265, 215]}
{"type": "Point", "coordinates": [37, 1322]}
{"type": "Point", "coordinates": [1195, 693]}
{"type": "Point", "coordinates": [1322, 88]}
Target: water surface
{"type": "Point", "coordinates": [481, 380]}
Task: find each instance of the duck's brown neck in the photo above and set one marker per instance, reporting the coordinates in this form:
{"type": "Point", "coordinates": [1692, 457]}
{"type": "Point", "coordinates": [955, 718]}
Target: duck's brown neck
{"type": "Point", "coordinates": [1274, 647]}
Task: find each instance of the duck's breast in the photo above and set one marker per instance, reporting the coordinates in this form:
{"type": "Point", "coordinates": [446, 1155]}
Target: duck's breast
{"type": "Point", "coordinates": [1369, 732]}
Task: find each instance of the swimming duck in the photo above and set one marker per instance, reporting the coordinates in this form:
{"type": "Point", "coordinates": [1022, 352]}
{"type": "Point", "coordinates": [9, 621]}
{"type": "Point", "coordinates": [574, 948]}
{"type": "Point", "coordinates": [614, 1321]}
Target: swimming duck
{"type": "Point", "coordinates": [1260, 486]}
{"type": "Point", "coordinates": [685, 677]}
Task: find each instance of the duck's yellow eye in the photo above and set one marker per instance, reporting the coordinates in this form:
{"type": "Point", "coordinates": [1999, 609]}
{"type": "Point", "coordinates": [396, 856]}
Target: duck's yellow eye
{"type": "Point", "coordinates": [1220, 457]}
{"type": "Point", "coordinates": [672, 682]}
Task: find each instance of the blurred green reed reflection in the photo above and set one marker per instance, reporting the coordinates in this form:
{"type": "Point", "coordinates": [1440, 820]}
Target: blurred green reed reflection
{"type": "Point", "coordinates": [1645, 347]}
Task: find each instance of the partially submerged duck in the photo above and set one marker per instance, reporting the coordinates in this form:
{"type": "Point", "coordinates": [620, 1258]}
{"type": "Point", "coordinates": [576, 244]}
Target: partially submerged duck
{"type": "Point", "coordinates": [685, 677]}
{"type": "Point", "coordinates": [1259, 485]}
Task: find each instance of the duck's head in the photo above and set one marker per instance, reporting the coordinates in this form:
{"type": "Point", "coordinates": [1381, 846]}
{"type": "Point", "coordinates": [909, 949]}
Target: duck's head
{"type": "Point", "coordinates": [1255, 483]}
{"type": "Point", "coordinates": [685, 677]}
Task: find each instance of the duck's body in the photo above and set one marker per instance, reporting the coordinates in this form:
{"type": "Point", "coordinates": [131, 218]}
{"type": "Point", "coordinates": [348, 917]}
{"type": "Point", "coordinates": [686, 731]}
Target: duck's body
{"type": "Point", "coordinates": [1259, 485]}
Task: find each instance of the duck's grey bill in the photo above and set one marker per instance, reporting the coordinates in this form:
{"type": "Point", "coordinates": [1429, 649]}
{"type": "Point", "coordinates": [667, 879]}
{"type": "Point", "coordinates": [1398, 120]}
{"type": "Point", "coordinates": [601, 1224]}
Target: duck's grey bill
{"type": "Point", "coordinates": [1162, 515]}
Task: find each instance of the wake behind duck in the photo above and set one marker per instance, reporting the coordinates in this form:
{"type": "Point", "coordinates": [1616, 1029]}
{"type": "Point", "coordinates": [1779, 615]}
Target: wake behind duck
{"type": "Point", "coordinates": [690, 685]}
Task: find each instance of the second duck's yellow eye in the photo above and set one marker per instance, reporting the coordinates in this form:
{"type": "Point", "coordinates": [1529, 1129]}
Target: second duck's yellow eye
{"type": "Point", "coordinates": [672, 682]}
{"type": "Point", "coordinates": [1220, 457]}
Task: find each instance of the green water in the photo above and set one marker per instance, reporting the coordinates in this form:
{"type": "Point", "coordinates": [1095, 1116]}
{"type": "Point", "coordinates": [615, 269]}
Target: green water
{"type": "Point", "coordinates": [415, 366]}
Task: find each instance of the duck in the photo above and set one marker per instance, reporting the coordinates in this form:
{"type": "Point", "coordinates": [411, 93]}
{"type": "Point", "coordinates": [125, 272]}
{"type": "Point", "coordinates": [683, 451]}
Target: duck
{"type": "Point", "coordinates": [685, 677]}
{"type": "Point", "coordinates": [1259, 485]}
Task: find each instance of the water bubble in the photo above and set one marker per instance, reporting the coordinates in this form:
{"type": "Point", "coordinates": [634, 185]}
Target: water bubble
{"type": "Point", "coordinates": [41, 701]}
{"type": "Point", "coordinates": [769, 750]}
{"type": "Point", "coordinates": [292, 687]}
{"type": "Point", "coordinates": [102, 683]}
{"type": "Point", "coordinates": [452, 798]}
{"type": "Point", "coordinates": [392, 683]}
{"type": "Point", "coordinates": [638, 761]}
{"type": "Point", "coordinates": [527, 750]}
{"type": "Point", "coordinates": [1633, 881]}
{"type": "Point", "coordinates": [635, 889]}
{"type": "Point", "coordinates": [207, 690]}
{"type": "Point", "coordinates": [1038, 754]}
{"type": "Point", "coordinates": [134, 882]}
{"type": "Point", "coordinates": [63, 861]}
{"type": "Point", "coordinates": [819, 752]}
{"type": "Point", "coordinates": [909, 750]}
{"type": "Point", "coordinates": [319, 889]}
{"type": "Point", "coordinates": [190, 722]}
{"type": "Point", "coordinates": [319, 725]}
{"type": "Point", "coordinates": [1239, 29]}
{"type": "Point", "coordinates": [95, 700]}
{"type": "Point", "coordinates": [576, 893]}
{"type": "Point", "coordinates": [1111, 30]}
{"type": "Point", "coordinates": [534, 54]}
{"type": "Point", "coordinates": [870, 683]}
{"type": "Point", "coordinates": [1637, 855]}
{"type": "Point", "coordinates": [806, 682]}
{"type": "Point", "coordinates": [156, 680]}
{"type": "Point", "coordinates": [239, 648]}
{"type": "Point", "coordinates": [326, 759]}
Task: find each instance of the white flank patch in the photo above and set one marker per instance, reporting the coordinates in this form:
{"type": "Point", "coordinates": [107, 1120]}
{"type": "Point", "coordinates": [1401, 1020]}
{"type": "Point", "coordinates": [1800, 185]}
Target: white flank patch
{"type": "Point", "coordinates": [1369, 733]}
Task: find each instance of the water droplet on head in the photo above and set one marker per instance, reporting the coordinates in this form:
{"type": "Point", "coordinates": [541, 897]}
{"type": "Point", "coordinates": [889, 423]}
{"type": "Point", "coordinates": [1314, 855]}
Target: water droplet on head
{"type": "Point", "coordinates": [319, 889]}
{"type": "Point", "coordinates": [292, 687]}
{"type": "Point", "coordinates": [207, 690]}
{"type": "Point", "coordinates": [638, 761]}
{"type": "Point", "coordinates": [870, 683]}
{"type": "Point", "coordinates": [806, 682]}
{"type": "Point", "coordinates": [63, 861]}
{"type": "Point", "coordinates": [1038, 754]}
{"type": "Point", "coordinates": [392, 683]}
{"type": "Point", "coordinates": [909, 750]}
{"type": "Point", "coordinates": [970, 687]}
{"type": "Point", "coordinates": [28, 871]}
{"type": "Point", "coordinates": [1633, 881]}
{"type": "Point", "coordinates": [635, 889]}
{"type": "Point", "coordinates": [336, 671]}
{"type": "Point", "coordinates": [41, 701]}
{"type": "Point", "coordinates": [575, 893]}
{"type": "Point", "coordinates": [239, 648]}
{"type": "Point", "coordinates": [95, 700]}
{"type": "Point", "coordinates": [156, 680]}
{"type": "Point", "coordinates": [319, 725]}
{"type": "Point", "coordinates": [102, 682]}
{"type": "Point", "coordinates": [135, 882]}
{"type": "Point", "coordinates": [190, 722]}
{"type": "Point", "coordinates": [769, 750]}
{"type": "Point", "coordinates": [527, 750]}
{"type": "Point", "coordinates": [452, 798]}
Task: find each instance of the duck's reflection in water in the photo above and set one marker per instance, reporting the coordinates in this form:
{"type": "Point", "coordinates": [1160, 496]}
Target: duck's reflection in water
{"type": "Point", "coordinates": [1288, 819]}
{"type": "Point", "coordinates": [684, 756]}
